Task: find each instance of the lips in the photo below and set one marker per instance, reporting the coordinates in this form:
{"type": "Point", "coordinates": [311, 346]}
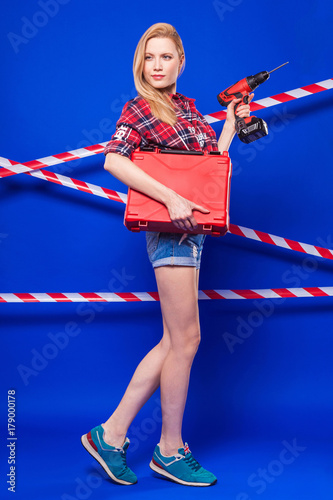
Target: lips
{"type": "Point", "coordinates": [157, 77]}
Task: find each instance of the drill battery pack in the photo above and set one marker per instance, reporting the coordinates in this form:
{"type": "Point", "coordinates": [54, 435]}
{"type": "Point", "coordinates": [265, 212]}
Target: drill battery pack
{"type": "Point", "coordinates": [201, 177]}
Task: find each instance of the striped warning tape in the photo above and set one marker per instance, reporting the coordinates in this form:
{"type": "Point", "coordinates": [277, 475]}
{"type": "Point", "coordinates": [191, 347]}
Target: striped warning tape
{"type": "Point", "coordinates": [11, 167]}
{"type": "Point", "coordinates": [281, 242]}
{"type": "Point", "coordinates": [253, 234]}
{"type": "Point", "coordinates": [269, 293]}
{"type": "Point", "coordinates": [86, 187]}
{"type": "Point", "coordinates": [278, 99]}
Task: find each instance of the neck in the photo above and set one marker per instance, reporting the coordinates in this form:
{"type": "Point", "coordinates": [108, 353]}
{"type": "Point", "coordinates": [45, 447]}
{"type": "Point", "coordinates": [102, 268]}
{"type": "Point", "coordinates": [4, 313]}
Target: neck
{"type": "Point", "coordinates": [171, 89]}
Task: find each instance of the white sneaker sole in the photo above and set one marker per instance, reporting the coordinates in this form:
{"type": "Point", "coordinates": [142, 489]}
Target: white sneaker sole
{"type": "Point", "coordinates": [163, 472]}
{"type": "Point", "coordinates": [93, 453]}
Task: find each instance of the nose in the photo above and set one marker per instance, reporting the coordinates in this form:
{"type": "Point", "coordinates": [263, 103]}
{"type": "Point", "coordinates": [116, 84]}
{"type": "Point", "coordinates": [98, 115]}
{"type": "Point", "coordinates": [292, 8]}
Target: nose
{"type": "Point", "coordinates": [158, 64]}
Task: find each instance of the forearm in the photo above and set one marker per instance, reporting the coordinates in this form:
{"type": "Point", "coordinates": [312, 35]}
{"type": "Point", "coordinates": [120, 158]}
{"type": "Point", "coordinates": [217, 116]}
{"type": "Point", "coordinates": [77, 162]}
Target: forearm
{"type": "Point", "coordinates": [134, 177]}
{"type": "Point", "coordinates": [226, 137]}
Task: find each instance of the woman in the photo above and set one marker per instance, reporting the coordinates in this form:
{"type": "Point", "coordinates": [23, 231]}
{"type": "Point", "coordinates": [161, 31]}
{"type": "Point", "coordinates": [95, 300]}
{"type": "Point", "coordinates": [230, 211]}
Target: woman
{"type": "Point", "coordinates": [161, 117]}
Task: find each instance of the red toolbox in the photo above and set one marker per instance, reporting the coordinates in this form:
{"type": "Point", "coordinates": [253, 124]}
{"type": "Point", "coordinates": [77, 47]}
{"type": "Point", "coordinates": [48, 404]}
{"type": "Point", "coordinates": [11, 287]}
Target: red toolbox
{"type": "Point", "coordinates": [203, 178]}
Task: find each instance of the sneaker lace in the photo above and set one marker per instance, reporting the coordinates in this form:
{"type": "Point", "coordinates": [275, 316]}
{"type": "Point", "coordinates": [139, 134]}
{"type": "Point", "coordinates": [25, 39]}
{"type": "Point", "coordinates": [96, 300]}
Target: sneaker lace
{"type": "Point", "coordinates": [123, 458]}
{"type": "Point", "coordinates": [192, 462]}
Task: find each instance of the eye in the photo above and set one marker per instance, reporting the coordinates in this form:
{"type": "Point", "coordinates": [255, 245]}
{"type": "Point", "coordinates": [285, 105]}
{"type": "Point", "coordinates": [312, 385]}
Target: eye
{"type": "Point", "coordinates": [147, 58]}
{"type": "Point", "coordinates": [167, 57]}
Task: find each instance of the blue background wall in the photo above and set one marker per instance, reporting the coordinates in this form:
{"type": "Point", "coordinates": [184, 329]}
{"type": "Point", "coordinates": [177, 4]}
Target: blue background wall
{"type": "Point", "coordinates": [65, 77]}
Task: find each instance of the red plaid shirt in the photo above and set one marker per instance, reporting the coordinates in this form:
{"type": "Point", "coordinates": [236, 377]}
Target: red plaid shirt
{"type": "Point", "coordinates": [138, 127]}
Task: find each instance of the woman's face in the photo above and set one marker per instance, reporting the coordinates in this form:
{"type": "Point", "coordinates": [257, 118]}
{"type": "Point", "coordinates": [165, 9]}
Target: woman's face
{"type": "Point", "coordinates": [162, 64]}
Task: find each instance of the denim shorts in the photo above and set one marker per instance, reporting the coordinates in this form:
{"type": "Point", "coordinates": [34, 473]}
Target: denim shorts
{"type": "Point", "coordinates": [164, 249]}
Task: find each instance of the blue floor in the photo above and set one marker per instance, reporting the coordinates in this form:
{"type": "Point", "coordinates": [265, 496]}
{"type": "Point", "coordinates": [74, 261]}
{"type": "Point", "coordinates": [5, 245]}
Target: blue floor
{"type": "Point", "coordinates": [52, 464]}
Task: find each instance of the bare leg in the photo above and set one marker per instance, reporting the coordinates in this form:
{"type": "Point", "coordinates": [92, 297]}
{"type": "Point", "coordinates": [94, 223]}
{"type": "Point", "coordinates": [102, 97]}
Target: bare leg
{"type": "Point", "coordinates": [145, 381]}
{"type": "Point", "coordinates": [178, 292]}
{"type": "Point", "coordinates": [143, 384]}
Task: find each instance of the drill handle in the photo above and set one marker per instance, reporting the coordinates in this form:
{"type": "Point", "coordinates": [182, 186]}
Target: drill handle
{"type": "Point", "coordinates": [245, 100]}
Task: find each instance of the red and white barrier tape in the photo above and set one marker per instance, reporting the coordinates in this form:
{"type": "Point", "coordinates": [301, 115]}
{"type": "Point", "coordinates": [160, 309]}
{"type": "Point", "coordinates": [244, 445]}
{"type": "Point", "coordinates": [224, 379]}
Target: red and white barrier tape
{"type": "Point", "coordinates": [253, 234]}
{"type": "Point", "coordinates": [12, 168]}
{"type": "Point", "coordinates": [86, 187]}
{"type": "Point", "coordinates": [278, 99]}
{"type": "Point", "coordinates": [270, 293]}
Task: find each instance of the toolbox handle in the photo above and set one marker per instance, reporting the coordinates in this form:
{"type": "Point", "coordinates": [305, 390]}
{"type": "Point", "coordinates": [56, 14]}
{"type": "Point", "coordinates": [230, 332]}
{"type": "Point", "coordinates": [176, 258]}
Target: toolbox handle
{"type": "Point", "coordinates": [175, 151]}
{"type": "Point", "coordinates": [181, 152]}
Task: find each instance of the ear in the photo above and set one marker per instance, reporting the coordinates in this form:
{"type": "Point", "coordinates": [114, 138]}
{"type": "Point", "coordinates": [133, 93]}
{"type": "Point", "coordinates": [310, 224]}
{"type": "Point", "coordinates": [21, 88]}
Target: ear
{"type": "Point", "coordinates": [181, 61]}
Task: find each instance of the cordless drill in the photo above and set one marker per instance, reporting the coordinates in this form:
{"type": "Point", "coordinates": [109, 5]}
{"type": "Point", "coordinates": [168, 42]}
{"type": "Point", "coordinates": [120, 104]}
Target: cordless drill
{"type": "Point", "coordinates": [251, 128]}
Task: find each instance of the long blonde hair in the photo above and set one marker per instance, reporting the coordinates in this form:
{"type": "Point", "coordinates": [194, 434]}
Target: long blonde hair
{"type": "Point", "coordinates": [160, 103]}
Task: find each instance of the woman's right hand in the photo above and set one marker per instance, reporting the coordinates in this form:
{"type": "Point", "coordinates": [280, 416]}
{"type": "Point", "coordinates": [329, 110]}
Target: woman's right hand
{"type": "Point", "coordinates": [180, 211]}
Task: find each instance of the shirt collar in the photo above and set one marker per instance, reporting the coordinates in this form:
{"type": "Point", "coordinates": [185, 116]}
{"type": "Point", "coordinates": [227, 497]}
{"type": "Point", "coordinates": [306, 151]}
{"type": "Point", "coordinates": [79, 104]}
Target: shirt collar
{"type": "Point", "coordinates": [177, 95]}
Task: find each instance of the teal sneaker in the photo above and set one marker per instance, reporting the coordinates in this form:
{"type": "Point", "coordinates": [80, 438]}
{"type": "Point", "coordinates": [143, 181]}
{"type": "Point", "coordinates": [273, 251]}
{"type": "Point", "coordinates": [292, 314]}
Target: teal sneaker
{"type": "Point", "coordinates": [181, 468]}
{"type": "Point", "coordinates": [112, 459]}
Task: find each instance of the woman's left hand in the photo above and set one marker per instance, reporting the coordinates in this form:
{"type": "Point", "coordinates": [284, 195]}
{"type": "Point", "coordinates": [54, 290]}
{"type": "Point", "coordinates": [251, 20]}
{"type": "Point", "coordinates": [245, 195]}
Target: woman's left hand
{"type": "Point", "coordinates": [243, 111]}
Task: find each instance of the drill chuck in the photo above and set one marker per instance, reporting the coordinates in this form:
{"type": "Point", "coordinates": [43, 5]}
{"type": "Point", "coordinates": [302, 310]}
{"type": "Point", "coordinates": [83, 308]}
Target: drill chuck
{"type": "Point", "coordinates": [256, 80]}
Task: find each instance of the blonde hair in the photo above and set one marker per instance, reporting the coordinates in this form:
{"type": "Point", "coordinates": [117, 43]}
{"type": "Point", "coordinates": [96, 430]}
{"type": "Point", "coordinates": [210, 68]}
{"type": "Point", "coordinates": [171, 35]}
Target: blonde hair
{"type": "Point", "coordinates": [159, 101]}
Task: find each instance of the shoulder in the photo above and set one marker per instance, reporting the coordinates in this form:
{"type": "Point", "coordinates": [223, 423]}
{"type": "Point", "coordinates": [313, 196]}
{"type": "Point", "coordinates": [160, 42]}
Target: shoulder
{"type": "Point", "coordinates": [136, 106]}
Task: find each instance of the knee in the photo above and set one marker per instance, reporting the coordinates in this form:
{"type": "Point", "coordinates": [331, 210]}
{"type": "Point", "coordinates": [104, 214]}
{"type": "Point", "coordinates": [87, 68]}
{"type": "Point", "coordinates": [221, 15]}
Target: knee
{"type": "Point", "coordinates": [188, 342]}
{"type": "Point", "coordinates": [194, 341]}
